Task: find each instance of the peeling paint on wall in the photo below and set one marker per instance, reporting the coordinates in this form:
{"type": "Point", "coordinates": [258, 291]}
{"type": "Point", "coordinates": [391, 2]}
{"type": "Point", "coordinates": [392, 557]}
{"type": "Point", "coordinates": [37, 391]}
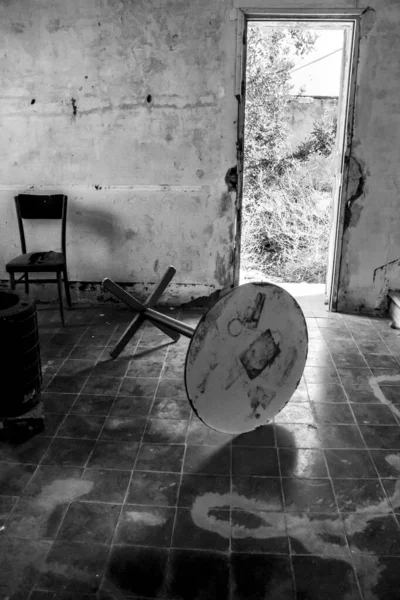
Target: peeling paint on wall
{"type": "Point", "coordinates": [355, 190]}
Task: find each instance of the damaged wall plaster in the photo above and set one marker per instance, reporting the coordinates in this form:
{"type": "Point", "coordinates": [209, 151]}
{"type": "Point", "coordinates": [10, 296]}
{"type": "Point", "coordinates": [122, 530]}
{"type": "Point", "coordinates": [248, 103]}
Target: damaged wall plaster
{"type": "Point", "coordinates": [134, 120]}
{"type": "Point", "coordinates": [129, 108]}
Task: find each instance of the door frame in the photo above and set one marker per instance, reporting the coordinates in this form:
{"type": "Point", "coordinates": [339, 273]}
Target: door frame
{"type": "Point", "coordinates": [340, 16]}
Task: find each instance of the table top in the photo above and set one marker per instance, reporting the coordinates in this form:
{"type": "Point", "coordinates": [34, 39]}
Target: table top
{"type": "Point", "coordinates": [246, 357]}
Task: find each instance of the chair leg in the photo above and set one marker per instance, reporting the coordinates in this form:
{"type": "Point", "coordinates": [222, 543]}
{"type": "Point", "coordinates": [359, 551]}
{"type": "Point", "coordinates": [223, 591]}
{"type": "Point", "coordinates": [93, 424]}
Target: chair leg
{"type": "Point", "coordinates": [66, 285]}
{"type": "Point", "coordinates": [12, 281]}
{"type": "Point", "coordinates": [59, 285]}
{"type": "Point", "coordinates": [26, 283]}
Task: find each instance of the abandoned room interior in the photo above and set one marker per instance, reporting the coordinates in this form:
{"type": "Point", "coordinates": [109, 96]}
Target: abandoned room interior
{"type": "Point", "coordinates": [168, 431]}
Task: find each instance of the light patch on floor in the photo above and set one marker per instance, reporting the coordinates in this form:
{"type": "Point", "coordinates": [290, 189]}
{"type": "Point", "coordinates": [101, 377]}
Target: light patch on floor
{"type": "Point", "coordinates": [61, 491]}
{"type": "Point", "coordinates": [307, 531]}
{"type": "Point", "coordinates": [145, 518]}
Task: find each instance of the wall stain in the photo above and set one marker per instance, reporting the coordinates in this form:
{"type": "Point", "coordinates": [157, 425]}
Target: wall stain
{"type": "Point", "coordinates": [367, 21]}
{"type": "Point", "coordinates": [221, 272]}
{"type": "Point", "coordinates": [129, 234]}
{"type": "Point", "coordinates": [357, 179]}
{"type": "Point", "coordinates": [156, 265]}
{"type": "Point", "coordinates": [231, 179]}
{"type": "Point", "coordinates": [225, 204]}
{"type": "Point", "coordinates": [74, 107]}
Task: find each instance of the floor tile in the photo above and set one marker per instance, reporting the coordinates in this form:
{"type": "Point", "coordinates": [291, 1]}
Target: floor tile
{"type": "Point", "coordinates": [309, 496]}
{"type": "Point", "coordinates": [356, 464]}
{"type": "Point", "coordinates": [257, 493]}
{"type": "Point", "coordinates": [331, 413]}
{"type": "Point", "coordinates": [319, 577]}
{"type": "Point", "coordinates": [73, 566]}
{"type": "Point", "coordinates": [52, 422]}
{"type": "Point", "coordinates": [108, 485]}
{"type": "Point", "coordinates": [374, 414]}
{"type": "Point", "coordinates": [195, 487]}
{"type": "Point", "coordinates": [206, 530]}
{"type": "Point", "coordinates": [255, 461]}
{"type": "Point", "coordinates": [30, 451]}
{"type": "Point", "coordinates": [383, 361]}
{"type": "Point", "coordinates": [308, 463]}
{"type": "Point", "coordinates": [392, 488]}
{"type": "Point", "coordinates": [83, 352]}
{"type": "Point", "coordinates": [130, 406]}
{"type": "Point", "coordinates": [76, 367]}
{"type": "Point", "coordinates": [340, 436]}
{"type": "Point", "coordinates": [387, 462]}
{"type": "Point", "coordinates": [107, 367]}
{"type": "Point", "coordinates": [318, 533]}
{"type": "Point", "coordinates": [171, 388]}
{"type": "Point", "coordinates": [89, 522]}
{"type": "Point", "coordinates": [209, 460]}
{"type": "Point", "coordinates": [321, 375]}
{"type": "Point", "coordinates": [160, 457]}
{"type": "Point", "coordinates": [91, 404]}
{"type": "Point", "coordinates": [360, 495]}
{"type": "Point", "coordinates": [199, 434]}
{"type": "Point", "coordinates": [15, 477]}
{"type": "Point", "coordinates": [368, 533]}
{"type": "Point", "coordinates": [378, 577]}
{"type": "Point", "coordinates": [257, 576]}
{"type": "Point", "coordinates": [381, 437]}
{"type": "Point", "coordinates": [349, 359]}
{"type": "Point", "coordinates": [58, 403]}
{"type": "Point", "coordinates": [7, 503]}
{"type": "Point", "coordinates": [138, 386]}
{"type": "Point", "coordinates": [295, 413]}
{"type": "Point", "coordinates": [97, 384]}
{"type": "Point", "coordinates": [145, 526]}
{"type": "Point", "coordinates": [158, 489]}
{"type": "Point", "coordinates": [326, 392]}
{"type": "Point", "coordinates": [198, 574]}
{"type": "Point", "coordinates": [290, 435]}
{"type": "Point", "coordinates": [167, 431]}
{"type": "Point", "coordinates": [56, 484]}
{"type": "Point", "coordinates": [391, 393]}
{"type": "Point", "coordinates": [171, 408]}
{"type": "Point", "coordinates": [33, 519]}
{"type": "Point", "coordinates": [114, 455]}
{"type": "Point", "coordinates": [123, 429]}
{"type": "Point", "coordinates": [64, 451]}
{"type": "Point", "coordinates": [68, 384]}
{"type": "Point", "coordinates": [21, 560]}
{"type": "Point", "coordinates": [81, 426]}
{"type": "Point", "coordinates": [137, 571]}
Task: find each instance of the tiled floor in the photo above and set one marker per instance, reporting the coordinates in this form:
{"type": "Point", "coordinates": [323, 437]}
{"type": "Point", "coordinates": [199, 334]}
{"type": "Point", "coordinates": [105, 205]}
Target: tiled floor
{"type": "Point", "coordinates": [127, 495]}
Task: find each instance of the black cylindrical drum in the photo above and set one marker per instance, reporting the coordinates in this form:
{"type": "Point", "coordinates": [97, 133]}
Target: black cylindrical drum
{"type": "Point", "coordinates": [20, 366]}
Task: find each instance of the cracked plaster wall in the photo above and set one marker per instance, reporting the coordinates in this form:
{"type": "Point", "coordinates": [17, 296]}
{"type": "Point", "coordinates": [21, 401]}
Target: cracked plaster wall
{"type": "Point", "coordinates": [371, 226]}
{"type": "Point", "coordinates": [129, 108]}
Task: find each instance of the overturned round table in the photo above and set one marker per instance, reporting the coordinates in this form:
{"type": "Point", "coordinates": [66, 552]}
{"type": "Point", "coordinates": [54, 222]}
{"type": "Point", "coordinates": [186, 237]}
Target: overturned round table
{"type": "Point", "coordinates": [246, 355]}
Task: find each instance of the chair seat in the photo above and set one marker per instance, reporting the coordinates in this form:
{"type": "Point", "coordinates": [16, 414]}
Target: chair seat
{"type": "Point", "coordinates": [37, 261]}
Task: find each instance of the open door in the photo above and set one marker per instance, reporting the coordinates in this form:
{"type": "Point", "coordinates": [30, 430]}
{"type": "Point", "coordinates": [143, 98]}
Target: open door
{"type": "Point", "coordinates": [348, 20]}
{"type": "Point", "coordinates": [340, 162]}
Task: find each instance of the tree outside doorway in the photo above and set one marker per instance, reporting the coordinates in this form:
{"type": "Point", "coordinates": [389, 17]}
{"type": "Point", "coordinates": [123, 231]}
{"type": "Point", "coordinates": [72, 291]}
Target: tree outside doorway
{"type": "Point", "coordinates": [287, 191]}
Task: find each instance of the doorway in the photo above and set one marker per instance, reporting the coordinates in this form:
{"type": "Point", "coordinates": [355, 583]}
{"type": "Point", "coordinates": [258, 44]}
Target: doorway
{"type": "Point", "coordinates": [295, 102]}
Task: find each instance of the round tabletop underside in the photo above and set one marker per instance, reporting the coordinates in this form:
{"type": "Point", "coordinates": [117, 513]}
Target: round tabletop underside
{"type": "Point", "coordinates": [246, 358]}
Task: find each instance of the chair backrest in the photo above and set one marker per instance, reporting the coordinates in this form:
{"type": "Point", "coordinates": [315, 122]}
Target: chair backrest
{"type": "Point", "coordinates": [32, 206]}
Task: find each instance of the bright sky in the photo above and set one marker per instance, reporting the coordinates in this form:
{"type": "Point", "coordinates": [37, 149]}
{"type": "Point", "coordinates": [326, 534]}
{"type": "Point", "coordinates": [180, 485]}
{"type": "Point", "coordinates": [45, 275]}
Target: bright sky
{"type": "Point", "coordinates": [322, 78]}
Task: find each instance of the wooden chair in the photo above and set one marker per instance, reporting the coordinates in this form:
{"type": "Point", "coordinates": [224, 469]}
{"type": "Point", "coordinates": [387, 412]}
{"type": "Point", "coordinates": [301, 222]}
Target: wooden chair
{"type": "Point", "coordinates": [30, 206]}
